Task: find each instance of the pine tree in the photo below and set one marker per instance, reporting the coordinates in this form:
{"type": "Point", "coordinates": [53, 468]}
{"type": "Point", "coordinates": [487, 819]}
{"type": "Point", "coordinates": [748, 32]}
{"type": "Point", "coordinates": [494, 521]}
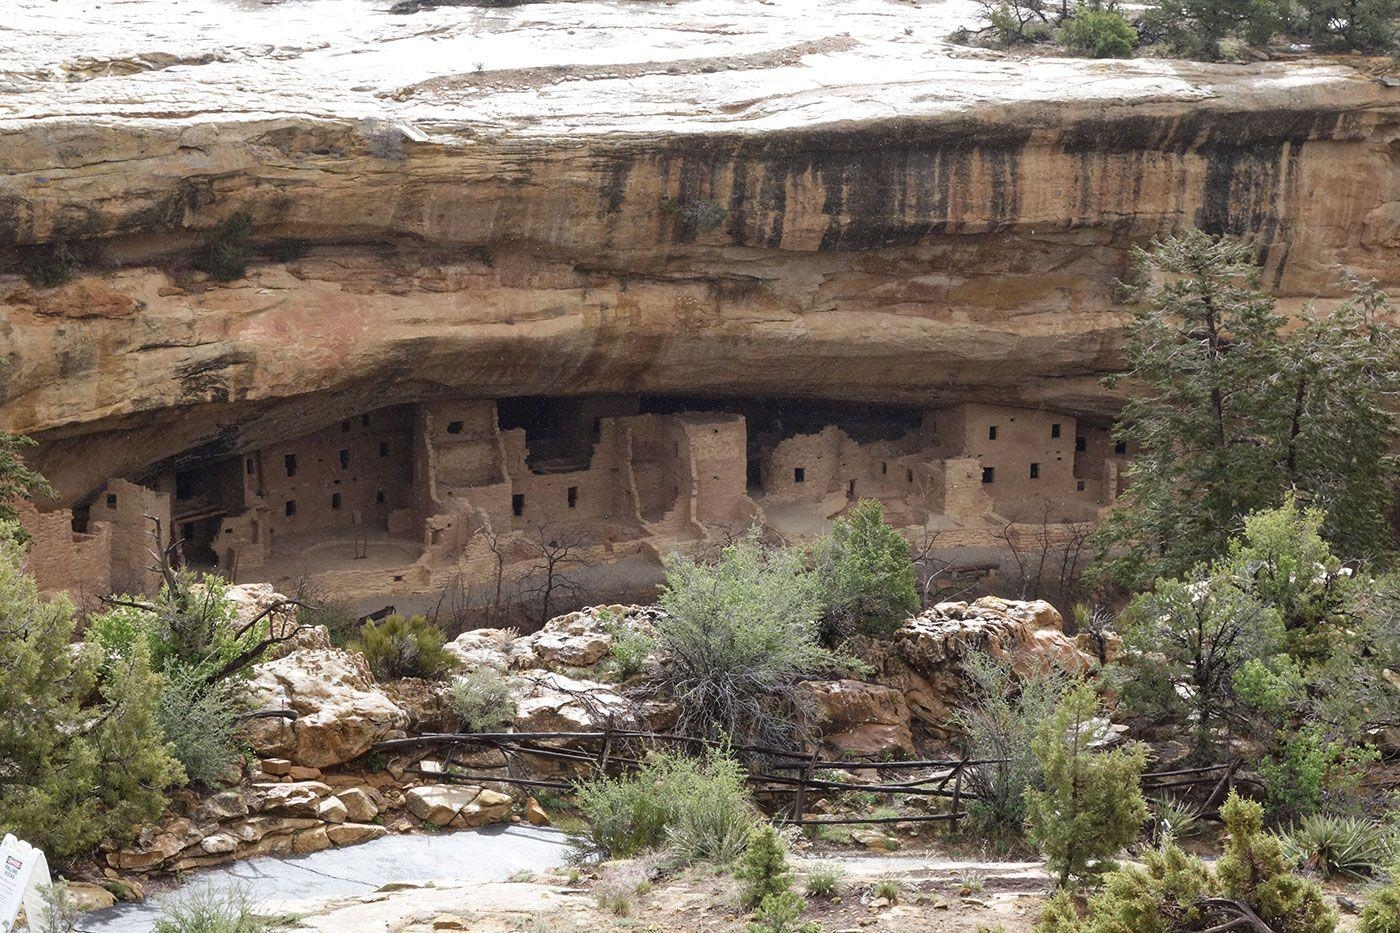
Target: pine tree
{"type": "Point", "coordinates": [1091, 805]}
{"type": "Point", "coordinates": [1230, 413]}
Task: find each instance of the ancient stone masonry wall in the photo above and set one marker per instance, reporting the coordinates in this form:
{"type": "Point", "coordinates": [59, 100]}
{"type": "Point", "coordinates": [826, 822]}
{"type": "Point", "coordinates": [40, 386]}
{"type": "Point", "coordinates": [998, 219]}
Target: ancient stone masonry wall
{"type": "Point", "coordinates": [64, 561]}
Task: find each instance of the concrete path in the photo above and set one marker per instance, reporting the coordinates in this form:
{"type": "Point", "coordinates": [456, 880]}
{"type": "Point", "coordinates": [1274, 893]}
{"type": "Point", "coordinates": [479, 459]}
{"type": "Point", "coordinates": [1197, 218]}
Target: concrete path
{"type": "Point", "coordinates": [494, 853]}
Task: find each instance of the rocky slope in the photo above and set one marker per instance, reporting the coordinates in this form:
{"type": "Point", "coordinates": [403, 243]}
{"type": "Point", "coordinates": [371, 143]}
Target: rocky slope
{"type": "Point", "coordinates": [619, 197]}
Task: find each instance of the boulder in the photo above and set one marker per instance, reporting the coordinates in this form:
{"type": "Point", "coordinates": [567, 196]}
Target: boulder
{"type": "Point", "coordinates": [349, 834]}
{"type": "Point", "coordinates": [862, 719]}
{"type": "Point", "coordinates": [463, 807]}
{"type": "Point", "coordinates": [554, 703]}
{"type": "Point", "coordinates": [86, 896]}
{"type": "Point", "coordinates": [299, 798]}
{"type": "Point", "coordinates": [483, 647]}
{"type": "Point", "coordinates": [332, 810]}
{"type": "Point", "coordinates": [360, 807]}
{"type": "Point", "coordinates": [219, 844]}
{"type": "Point", "coordinates": [226, 805]}
{"type": "Point", "coordinates": [535, 814]}
{"type": "Point", "coordinates": [924, 658]}
{"type": "Point", "coordinates": [341, 713]}
{"type": "Point", "coordinates": [579, 639]}
{"type": "Point", "coordinates": [249, 599]}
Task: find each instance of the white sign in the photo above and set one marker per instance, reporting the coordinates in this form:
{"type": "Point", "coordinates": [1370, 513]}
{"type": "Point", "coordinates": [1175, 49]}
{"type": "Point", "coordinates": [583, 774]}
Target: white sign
{"type": "Point", "coordinates": [23, 871]}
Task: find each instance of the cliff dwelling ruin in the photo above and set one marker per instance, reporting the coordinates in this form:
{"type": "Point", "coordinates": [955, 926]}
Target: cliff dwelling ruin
{"type": "Point", "coordinates": [407, 501]}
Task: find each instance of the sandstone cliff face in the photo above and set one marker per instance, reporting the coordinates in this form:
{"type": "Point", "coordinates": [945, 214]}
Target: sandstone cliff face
{"type": "Point", "coordinates": [735, 200]}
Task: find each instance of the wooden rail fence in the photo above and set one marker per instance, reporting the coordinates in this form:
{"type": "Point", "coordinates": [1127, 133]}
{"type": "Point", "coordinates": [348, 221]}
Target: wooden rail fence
{"type": "Point", "coordinates": [788, 772]}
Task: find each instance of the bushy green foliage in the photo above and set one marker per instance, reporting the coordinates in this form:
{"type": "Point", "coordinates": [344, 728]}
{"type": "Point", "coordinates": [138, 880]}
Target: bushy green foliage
{"type": "Point", "coordinates": [16, 480]}
{"type": "Point", "coordinates": [200, 721]}
{"type": "Point", "coordinates": [228, 249]}
{"type": "Point", "coordinates": [763, 869]}
{"type": "Point", "coordinates": [1090, 805]}
{"type": "Point", "coordinates": [1361, 25]}
{"type": "Point", "coordinates": [1338, 846]}
{"type": "Point", "coordinates": [1197, 28]}
{"type": "Point", "coordinates": [1098, 32]}
{"type": "Point", "coordinates": [629, 649]}
{"type": "Point", "coordinates": [698, 807]}
{"type": "Point", "coordinates": [210, 910]}
{"type": "Point", "coordinates": [1163, 895]}
{"type": "Point", "coordinates": [866, 574]}
{"type": "Point", "coordinates": [780, 913]}
{"type": "Point", "coordinates": [1234, 411]}
{"type": "Point", "coordinates": [190, 625]}
{"type": "Point", "coordinates": [484, 699]}
{"type": "Point", "coordinates": [740, 634]}
{"type": "Point", "coordinates": [1310, 768]}
{"type": "Point", "coordinates": [1255, 871]}
{"type": "Point", "coordinates": [1200, 631]}
{"type": "Point", "coordinates": [404, 646]}
{"type": "Point", "coordinates": [998, 725]}
{"type": "Point", "coordinates": [1382, 911]}
{"type": "Point", "coordinates": [81, 757]}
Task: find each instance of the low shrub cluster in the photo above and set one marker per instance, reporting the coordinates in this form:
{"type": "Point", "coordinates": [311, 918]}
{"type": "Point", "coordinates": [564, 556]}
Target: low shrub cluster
{"type": "Point", "coordinates": [696, 808]}
{"type": "Point", "coordinates": [484, 699]}
{"type": "Point", "coordinates": [404, 646]}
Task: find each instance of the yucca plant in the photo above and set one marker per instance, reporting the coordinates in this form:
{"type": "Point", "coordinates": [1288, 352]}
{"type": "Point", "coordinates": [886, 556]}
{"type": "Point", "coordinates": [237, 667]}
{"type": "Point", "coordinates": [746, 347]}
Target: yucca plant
{"type": "Point", "coordinates": [1179, 818]}
{"type": "Point", "coordinates": [1333, 846]}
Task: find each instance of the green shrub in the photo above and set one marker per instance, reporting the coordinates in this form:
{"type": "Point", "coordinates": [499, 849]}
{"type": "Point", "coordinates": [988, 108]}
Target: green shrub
{"type": "Point", "coordinates": [779, 913]}
{"type": "Point", "coordinates": [764, 868]}
{"type": "Point", "coordinates": [823, 881]}
{"type": "Point", "coordinates": [341, 624]}
{"type": "Point", "coordinates": [92, 759]}
{"type": "Point", "coordinates": [699, 807]}
{"type": "Point", "coordinates": [1333, 846]}
{"type": "Point", "coordinates": [48, 265]}
{"type": "Point", "coordinates": [484, 699]}
{"type": "Point", "coordinates": [1162, 896]}
{"type": "Point", "coordinates": [1255, 870]}
{"type": "Point", "coordinates": [740, 635]}
{"type": "Point", "coordinates": [227, 249]}
{"type": "Point", "coordinates": [998, 725]}
{"type": "Point", "coordinates": [209, 910]}
{"type": "Point", "coordinates": [866, 575]}
{"type": "Point", "coordinates": [1311, 769]}
{"type": "Point", "coordinates": [629, 649]}
{"type": "Point", "coordinates": [1382, 911]}
{"type": "Point", "coordinates": [1091, 805]}
{"type": "Point", "coordinates": [1098, 33]}
{"type": "Point", "coordinates": [888, 888]}
{"type": "Point", "coordinates": [200, 721]}
{"type": "Point", "coordinates": [402, 646]}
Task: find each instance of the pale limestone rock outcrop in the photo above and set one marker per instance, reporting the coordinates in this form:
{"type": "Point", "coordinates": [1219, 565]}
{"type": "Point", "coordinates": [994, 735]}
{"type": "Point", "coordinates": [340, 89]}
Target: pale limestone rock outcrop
{"type": "Point", "coordinates": [575, 640]}
{"type": "Point", "coordinates": [340, 711]}
{"type": "Point", "coordinates": [551, 702]}
{"type": "Point", "coordinates": [923, 659]}
{"type": "Point", "coordinates": [862, 719]}
{"type": "Point", "coordinates": [457, 806]}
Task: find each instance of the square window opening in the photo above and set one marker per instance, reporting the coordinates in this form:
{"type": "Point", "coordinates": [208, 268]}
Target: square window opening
{"type": "Point", "coordinates": [573, 496]}
{"type": "Point", "coordinates": [517, 505]}
{"type": "Point", "coordinates": [335, 501]}
{"type": "Point", "coordinates": [1054, 430]}
{"type": "Point", "coordinates": [290, 508]}
{"type": "Point", "coordinates": [290, 462]}
{"type": "Point", "coordinates": [1080, 444]}
{"type": "Point", "coordinates": [1120, 448]}
{"type": "Point", "coordinates": [111, 501]}
{"type": "Point", "coordinates": [1035, 471]}
{"type": "Point", "coordinates": [989, 475]}
{"type": "Point", "coordinates": [1079, 486]}
{"type": "Point", "coordinates": [345, 459]}
{"type": "Point", "coordinates": [992, 433]}
{"type": "Point", "coordinates": [799, 475]}
{"type": "Point", "coordinates": [454, 427]}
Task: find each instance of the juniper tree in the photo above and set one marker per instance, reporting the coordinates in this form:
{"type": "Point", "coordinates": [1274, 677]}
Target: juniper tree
{"type": "Point", "coordinates": [866, 573]}
{"type": "Point", "coordinates": [1090, 805]}
{"type": "Point", "coordinates": [81, 756]}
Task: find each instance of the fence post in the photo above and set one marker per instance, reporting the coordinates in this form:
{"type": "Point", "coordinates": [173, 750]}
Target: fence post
{"type": "Point", "coordinates": [607, 747]}
{"type": "Point", "coordinates": [799, 805]}
{"type": "Point", "coordinates": [957, 795]}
